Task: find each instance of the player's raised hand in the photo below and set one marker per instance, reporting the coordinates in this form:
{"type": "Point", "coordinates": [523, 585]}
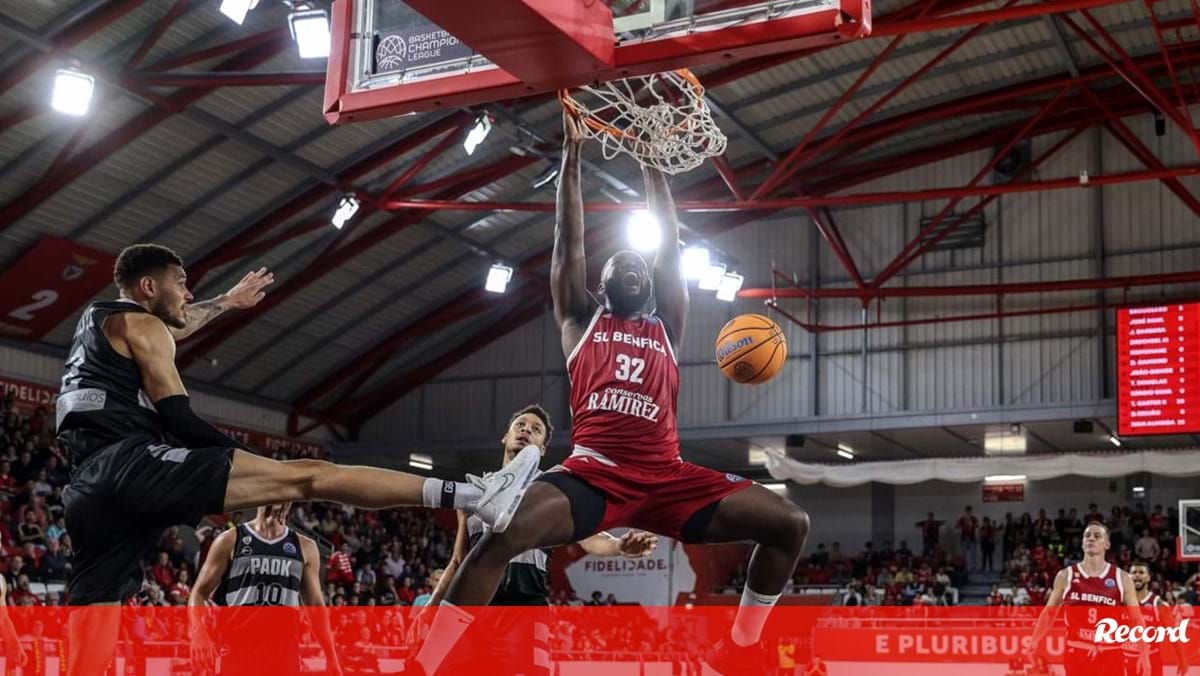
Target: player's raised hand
{"type": "Point", "coordinates": [572, 129]}
{"type": "Point", "coordinates": [636, 544]}
{"type": "Point", "coordinates": [249, 291]}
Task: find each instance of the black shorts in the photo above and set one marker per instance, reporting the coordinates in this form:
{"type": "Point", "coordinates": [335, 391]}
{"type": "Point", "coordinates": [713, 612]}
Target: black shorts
{"type": "Point", "coordinates": [122, 498]}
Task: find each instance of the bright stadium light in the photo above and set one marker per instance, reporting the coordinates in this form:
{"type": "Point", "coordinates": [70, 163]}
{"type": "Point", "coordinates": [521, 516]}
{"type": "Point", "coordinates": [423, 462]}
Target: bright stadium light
{"type": "Point", "coordinates": [310, 30]}
{"type": "Point", "coordinates": [1114, 440]}
{"type": "Point", "coordinates": [483, 126]}
{"type": "Point", "coordinates": [72, 91]}
{"type": "Point", "coordinates": [421, 461]}
{"type": "Point", "coordinates": [237, 10]}
{"type": "Point", "coordinates": [497, 279]}
{"type": "Point", "coordinates": [845, 451]}
{"type": "Point", "coordinates": [643, 231]}
{"type": "Point", "coordinates": [777, 487]}
{"type": "Point", "coordinates": [731, 283]}
{"type": "Point", "coordinates": [694, 262]}
{"type": "Point", "coordinates": [345, 211]}
{"type": "Point", "coordinates": [1003, 478]}
{"type": "Point", "coordinates": [712, 277]}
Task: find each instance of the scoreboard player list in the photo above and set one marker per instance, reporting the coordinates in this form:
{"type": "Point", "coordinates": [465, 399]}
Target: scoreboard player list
{"type": "Point", "coordinates": [1158, 369]}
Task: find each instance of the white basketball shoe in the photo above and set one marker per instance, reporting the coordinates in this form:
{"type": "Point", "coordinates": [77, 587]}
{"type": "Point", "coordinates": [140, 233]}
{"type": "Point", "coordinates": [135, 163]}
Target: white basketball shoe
{"type": "Point", "coordinates": [503, 490]}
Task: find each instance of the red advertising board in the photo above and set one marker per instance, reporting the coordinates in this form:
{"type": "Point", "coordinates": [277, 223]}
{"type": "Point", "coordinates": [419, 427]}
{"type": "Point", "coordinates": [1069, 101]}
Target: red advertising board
{"type": "Point", "coordinates": [48, 283]}
{"type": "Point", "coordinates": [1004, 492]}
{"type": "Point", "coordinates": [1158, 369]}
{"type": "Point", "coordinates": [28, 396]}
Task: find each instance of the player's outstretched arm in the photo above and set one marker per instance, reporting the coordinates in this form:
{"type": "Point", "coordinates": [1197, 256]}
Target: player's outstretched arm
{"type": "Point", "coordinates": [12, 645]}
{"type": "Point", "coordinates": [568, 266]}
{"type": "Point", "coordinates": [633, 544]}
{"type": "Point", "coordinates": [203, 649]}
{"type": "Point", "coordinates": [670, 289]}
{"type": "Point", "coordinates": [153, 350]}
{"type": "Point", "coordinates": [314, 602]}
{"type": "Point", "coordinates": [1049, 613]}
{"type": "Point", "coordinates": [245, 294]}
{"type": "Point", "coordinates": [457, 556]}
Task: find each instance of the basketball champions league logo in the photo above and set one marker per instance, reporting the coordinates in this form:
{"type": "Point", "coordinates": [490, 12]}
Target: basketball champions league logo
{"type": "Point", "coordinates": [390, 53]}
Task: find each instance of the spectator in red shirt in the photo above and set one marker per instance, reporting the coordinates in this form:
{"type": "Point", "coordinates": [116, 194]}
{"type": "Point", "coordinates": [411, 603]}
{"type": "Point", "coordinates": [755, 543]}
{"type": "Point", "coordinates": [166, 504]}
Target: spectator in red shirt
{"type": "Point", "coordinates": [181, 586]}
{"type": "Point", "coordinates": [995, 598]}
{"type": "Point", "coordinates": [1158, 522]}
{"type": "Point", "coordinates": [405, 594]}
{"type": "Point", "coordinates": [930, 529]}
{"type": "Point", "coordinates": [163, 573]}
{"type": "Point", "coordinates": [341, 569]}
{"type": "Point", "coordinates": [969, 542]}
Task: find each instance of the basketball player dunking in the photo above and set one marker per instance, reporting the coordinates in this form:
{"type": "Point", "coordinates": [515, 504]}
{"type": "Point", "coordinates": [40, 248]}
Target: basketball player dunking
{"type": "Point", "coordinates": [1158, 613]}
{"type": "Point", "coordinates": [260, 564]}
{"type": "Point", "coordinates": [143, 461]}
{"type": "Point", "coordinates": [513, 640]}
{"type": "Point", "coordinates": [625, 469]}
{"type": "Point", "coordinates": [1091, 590]}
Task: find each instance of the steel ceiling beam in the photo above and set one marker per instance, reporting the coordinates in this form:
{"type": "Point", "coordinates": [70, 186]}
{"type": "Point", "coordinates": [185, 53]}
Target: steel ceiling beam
{"type": "Point", "coordinates": [221, 330]}
{"type": "Point", "coordinates": [123, 135]}
{"type": "Point", "coordinates": [177, 10]}
{"type": "Point", "coordinates": [207, 80]}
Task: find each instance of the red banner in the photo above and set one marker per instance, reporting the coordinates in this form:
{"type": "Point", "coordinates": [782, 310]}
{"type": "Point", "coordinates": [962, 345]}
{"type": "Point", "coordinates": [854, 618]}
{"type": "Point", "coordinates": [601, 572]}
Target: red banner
{"type": "Point", "coordinates": [566, 640]}
{"type": "Point", "coordinates": [48, 283]}
{"type": "Point", "coordinates": [28, 396]}
{"type": "Point", "coordinates": [1003, 492]}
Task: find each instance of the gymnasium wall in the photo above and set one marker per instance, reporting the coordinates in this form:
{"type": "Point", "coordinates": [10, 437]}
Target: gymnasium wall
{"type": "Point", "coordinates": [1029, 361]}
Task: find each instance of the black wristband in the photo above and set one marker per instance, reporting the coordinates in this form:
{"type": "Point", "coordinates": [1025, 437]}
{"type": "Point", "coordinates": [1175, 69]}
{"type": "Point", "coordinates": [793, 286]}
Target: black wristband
{"type": "Point", "coordinates": [183, 424]}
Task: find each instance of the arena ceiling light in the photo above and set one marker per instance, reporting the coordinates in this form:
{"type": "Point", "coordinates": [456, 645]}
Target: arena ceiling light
{"type": "Point", "coordinates": [483, 127]}
{"type": "Point", "coordinates": [695, 262]}
{"type": "Point", "coordinates": [237, 10]}
{"type": "Point", "coordinates": [420, 461]}
{"type": "Point", "coordinates": [712, 277]}
{"type": "Point", "coordinates": [346, 209]}
{"type": "Point", "coordinates": [498, 277]}
{"type": "Point", "coordinates": [72, 91]}
{"type": "Point", "coordinates": [1114, 440]}
{"type": "Point", "coordinates": [1003, 478]}
{"type": "Point", "coordinates": [643, 231]}
{"type": "Point", "coordinates": [845, 451]}
{"type": "Point", "coordinates": [777, 487]}
{"type": "Point", "coordinates": [310, 30]}
{"type": "Point", "coordinates": [731, 283]}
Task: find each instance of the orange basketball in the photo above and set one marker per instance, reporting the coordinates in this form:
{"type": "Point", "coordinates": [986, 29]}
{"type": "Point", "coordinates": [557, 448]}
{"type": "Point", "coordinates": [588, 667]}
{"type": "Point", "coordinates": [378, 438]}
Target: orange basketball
{"type": "Point", "coordinates": [751, 349]}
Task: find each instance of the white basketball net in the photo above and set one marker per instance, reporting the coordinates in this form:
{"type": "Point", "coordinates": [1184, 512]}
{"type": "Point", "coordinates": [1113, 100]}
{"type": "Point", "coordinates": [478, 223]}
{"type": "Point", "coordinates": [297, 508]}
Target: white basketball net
{"type": "Point", "coordinates": [660, 120]}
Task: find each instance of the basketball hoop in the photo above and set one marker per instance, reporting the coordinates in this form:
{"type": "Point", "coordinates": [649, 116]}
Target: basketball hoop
{"type": "Point", "coordinates": [660, 120]}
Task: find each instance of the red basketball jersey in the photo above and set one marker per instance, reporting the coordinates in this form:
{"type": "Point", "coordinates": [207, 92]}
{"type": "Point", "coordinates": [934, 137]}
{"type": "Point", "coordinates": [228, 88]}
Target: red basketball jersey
{"type": "Point", "coordinates": [1101, 593]}
{"type": "Point", "coordinates": [1150, 618]}
{"type": "Point", "coordinates": [624, 384]}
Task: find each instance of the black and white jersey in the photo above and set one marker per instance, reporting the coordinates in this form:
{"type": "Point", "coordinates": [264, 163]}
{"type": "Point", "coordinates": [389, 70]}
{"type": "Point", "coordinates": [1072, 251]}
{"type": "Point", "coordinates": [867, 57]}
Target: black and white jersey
{"type": "Point", "coordinates": [263, 572]}
{"type": "Point", "coordinates": [526, 577]}
{"type": "Point", "coordinates": [101, 401]}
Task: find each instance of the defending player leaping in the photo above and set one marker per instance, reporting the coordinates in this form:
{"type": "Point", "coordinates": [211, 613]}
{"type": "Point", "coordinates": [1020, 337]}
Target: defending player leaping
{"type": "Point", "coordinates": [143, 461]}
{"type": "Point", "coordinates": [625, 469]}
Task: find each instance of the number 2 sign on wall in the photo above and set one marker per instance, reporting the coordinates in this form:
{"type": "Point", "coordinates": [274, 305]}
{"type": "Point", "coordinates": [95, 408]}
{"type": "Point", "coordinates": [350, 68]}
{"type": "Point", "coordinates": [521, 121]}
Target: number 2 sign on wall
{"type": "Point", "coordinates": [48, 284]}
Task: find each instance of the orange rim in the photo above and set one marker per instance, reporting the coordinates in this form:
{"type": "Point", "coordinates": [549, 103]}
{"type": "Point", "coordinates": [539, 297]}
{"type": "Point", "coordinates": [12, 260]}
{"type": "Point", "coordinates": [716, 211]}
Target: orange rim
{"type": "Point", "coordinates": [581, 114]}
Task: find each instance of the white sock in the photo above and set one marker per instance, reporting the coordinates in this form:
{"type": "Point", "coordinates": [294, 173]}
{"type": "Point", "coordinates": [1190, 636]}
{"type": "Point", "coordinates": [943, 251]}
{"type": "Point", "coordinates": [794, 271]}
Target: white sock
{"type": "Point", "coordinates": [449, 494]}
{"type": "Point", "coordinates": [751, 616]}
{"type": "Point", "coordinates": [449, 624]}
